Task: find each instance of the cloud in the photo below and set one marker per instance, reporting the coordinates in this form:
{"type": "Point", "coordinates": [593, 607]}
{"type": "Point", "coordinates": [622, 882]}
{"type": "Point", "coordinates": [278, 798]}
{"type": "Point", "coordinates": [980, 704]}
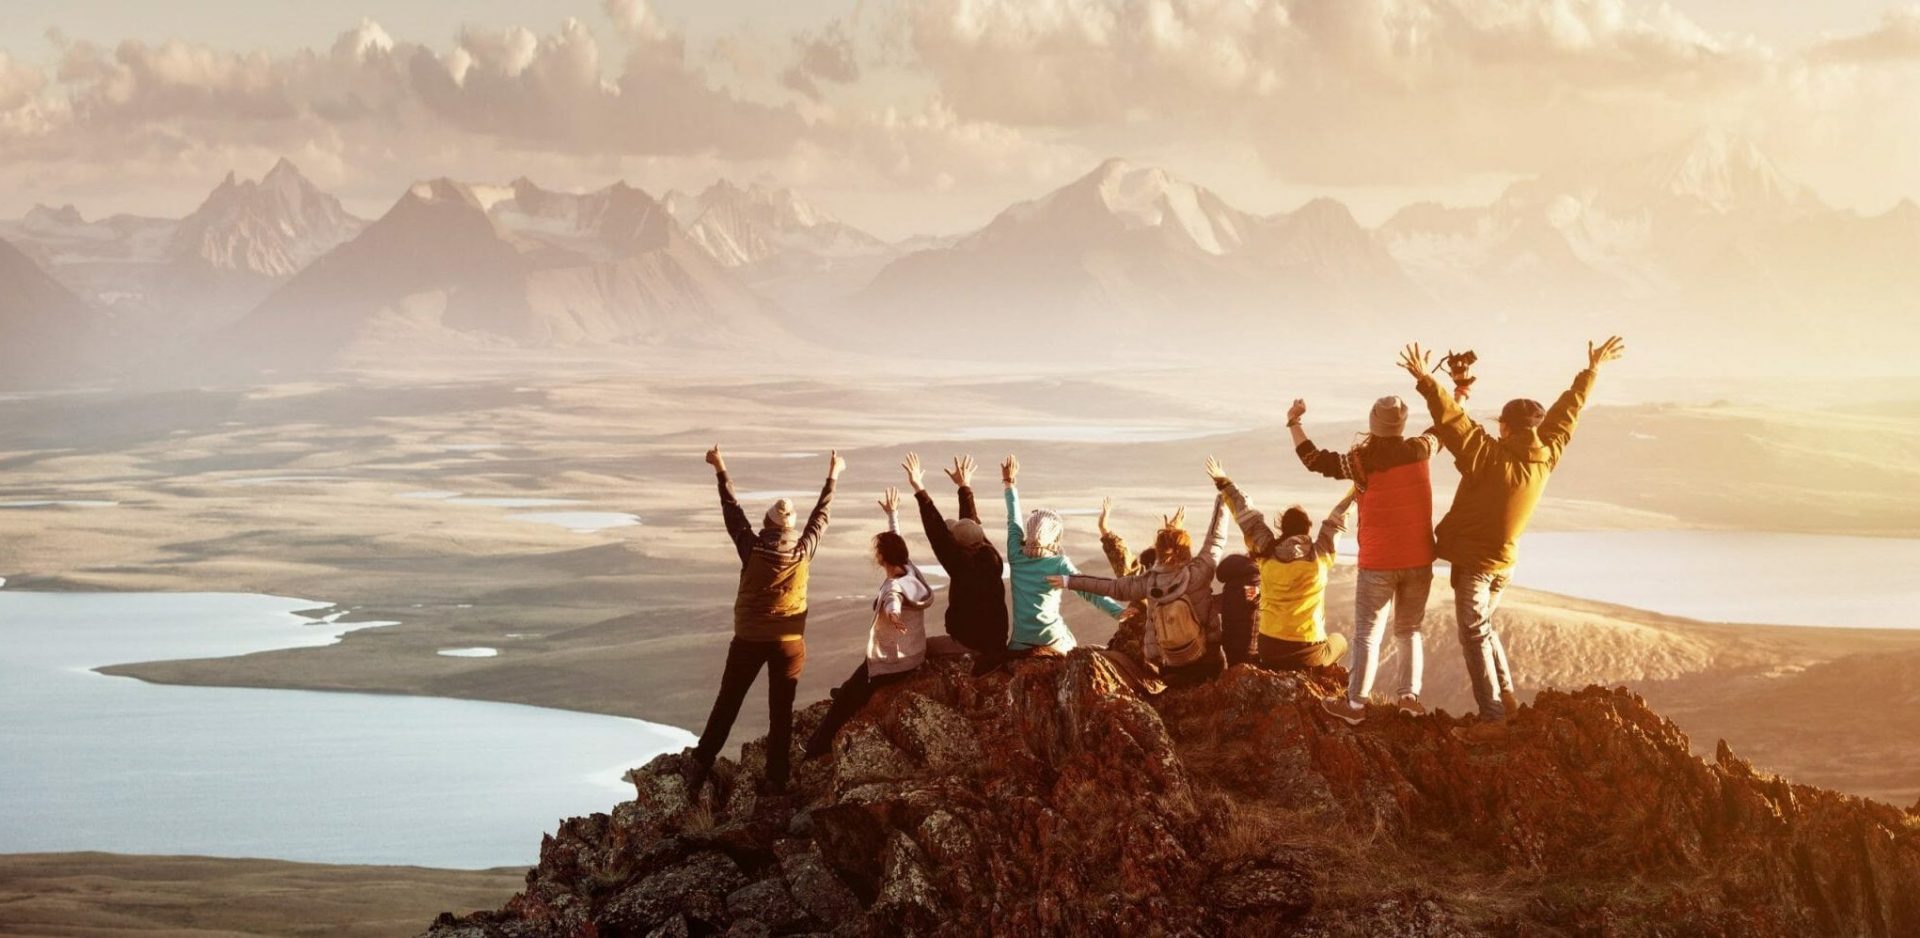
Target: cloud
{"type": "Point", "coordinates": [1896, 38]}
{"type": "Point", "coordinates": [824, 56]}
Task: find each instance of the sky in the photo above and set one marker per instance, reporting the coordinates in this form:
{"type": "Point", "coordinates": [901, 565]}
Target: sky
{"type": "Point", "coordinates": [929, 116]}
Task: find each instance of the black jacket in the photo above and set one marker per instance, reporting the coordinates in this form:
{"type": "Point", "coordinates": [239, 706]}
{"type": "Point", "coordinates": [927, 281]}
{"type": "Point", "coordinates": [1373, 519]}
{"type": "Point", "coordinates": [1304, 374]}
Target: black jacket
{"type": "Point", "coordinates": [976, 598]}
{"type": "Point", "coordinates": [1239, 614]}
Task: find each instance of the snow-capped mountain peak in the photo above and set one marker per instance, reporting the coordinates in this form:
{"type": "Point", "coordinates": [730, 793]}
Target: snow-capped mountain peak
{"type": "Point", "coordinates": [1130, 197]}
{"type": "Point", "coordinates": [1722, 171]}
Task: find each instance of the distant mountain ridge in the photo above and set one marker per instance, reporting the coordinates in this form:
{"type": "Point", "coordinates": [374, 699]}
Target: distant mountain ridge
{"type": "Point", "coordinates": [456, 265]}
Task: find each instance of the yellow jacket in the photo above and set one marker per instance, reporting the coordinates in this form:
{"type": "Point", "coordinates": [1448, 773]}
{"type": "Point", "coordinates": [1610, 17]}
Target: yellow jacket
{"type": "Point", "coordinates": [1293, 570]}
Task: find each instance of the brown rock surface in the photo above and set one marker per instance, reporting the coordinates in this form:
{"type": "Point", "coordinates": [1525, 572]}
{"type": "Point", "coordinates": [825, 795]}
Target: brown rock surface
{"type": "Point", "coordinates": [1050, 798]}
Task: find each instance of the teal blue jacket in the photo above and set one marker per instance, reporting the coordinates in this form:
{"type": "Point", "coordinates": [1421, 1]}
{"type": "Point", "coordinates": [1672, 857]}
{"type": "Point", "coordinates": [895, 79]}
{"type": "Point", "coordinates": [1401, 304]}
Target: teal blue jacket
{"type": "Point", "coordinates": [1036, 603]}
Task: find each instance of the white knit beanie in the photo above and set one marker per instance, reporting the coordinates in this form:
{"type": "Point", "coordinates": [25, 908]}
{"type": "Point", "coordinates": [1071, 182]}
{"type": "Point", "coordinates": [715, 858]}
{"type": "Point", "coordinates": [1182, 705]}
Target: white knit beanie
{"type": "Point", "coordinates": [1389, 417]}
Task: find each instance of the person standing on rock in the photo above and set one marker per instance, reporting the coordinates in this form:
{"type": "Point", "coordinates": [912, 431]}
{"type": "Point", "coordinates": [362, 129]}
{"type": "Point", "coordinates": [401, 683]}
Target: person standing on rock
{"type": "Point", "coordinates": [1395, 497]}
{"type": "Point", "coordinates": [1501, 481]}
{"type": "Point", "coordinates": [1293, 578]}
{"type": "Point", "coordinates": [1180, 634]}
{"type": "Point", "coordinates": [897, 640]}
{"type": "Point", "coordinates": [1033, 549]}
{"type": "Point", "coordinates": [769, 619]}
{"type": "Point", "coordinates": [976, 616]}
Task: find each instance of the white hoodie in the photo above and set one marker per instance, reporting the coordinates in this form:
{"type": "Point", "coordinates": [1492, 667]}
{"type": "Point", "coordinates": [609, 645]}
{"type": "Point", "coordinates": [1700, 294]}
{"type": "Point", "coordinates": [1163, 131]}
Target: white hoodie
{"type": "Point", "coordinates": [898, 640]}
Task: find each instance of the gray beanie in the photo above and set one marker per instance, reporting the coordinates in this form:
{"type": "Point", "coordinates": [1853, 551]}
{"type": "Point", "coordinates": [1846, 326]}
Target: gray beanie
{"type": "Point", "coordinates": [1389, 417]}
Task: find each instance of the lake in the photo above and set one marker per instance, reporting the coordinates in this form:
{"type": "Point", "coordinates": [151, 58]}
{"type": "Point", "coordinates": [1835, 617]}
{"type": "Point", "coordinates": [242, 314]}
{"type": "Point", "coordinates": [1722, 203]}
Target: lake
{"type": "Point", "coordinates": [1733, 576]}
{"type": "Point", "coordinates": [92, 762]}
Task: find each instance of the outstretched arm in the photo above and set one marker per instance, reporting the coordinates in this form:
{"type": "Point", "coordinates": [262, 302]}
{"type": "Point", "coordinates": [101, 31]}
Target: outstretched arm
{"type": "Point", "coordinates": [817, 522]}
{"type": "Point", "coordinates": [1472, 449]}
{"type": "Point", "coordinates": [1214, 545]}
{"type": "Point", "coordinates": [1556, 431]}
{"type": "Point", "coordinates": [1104, 604]}
{"type": "Point", "coordinates": [1254, 528]}
{"type": "Point", "coordinates": [945, 548]}
{"type": "Point", "coordinates": [1328, 541]}
{"type": "Point", "coordinates": [1325, 462]}
{"type": "Point", "coordinates": [739, 529]}
{"type": "Point", "coordinates": [1112, 544]}
{"type": "Point", "coordinates": [962, 476]}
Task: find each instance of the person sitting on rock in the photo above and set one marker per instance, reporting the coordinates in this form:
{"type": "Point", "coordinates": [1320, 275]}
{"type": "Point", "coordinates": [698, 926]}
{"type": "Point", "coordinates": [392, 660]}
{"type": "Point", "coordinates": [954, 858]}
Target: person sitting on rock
{"type": "Point", "coordinates": [1293, 579]}
{"type": "Point", "coordinates": [1033, 549]}
{"type": "Point", "coordinates": [1181, 636]}
{"type": "Point", "coordinates": [1395, 498]}
{"type": "Point", "coordinates": [897, 640]}
{"type": "Point", "coordinates": [976, 616]}
{"type": "Point", "coordinates": [769, 620]}
{"type": "Point", "coordinates": [1239, 606]}
{"type": "Point", "coordinates": [1501, 481]}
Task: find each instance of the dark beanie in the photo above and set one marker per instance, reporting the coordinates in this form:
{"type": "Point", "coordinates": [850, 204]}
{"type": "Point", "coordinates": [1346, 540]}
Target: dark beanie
{"type": "Point", "coordinates": [1522, 413]}
{"type": "Point", "coordinates": [1295, 521]}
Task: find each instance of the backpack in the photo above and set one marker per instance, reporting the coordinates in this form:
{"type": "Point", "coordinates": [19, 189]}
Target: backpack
{"type": "Point", "coordinates": [1182, 639]}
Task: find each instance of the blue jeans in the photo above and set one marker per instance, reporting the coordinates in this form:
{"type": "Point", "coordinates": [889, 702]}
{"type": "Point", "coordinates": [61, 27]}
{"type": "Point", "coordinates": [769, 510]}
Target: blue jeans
{"type": "Point", "coordinates": [1376, 592]}
{"type": "Point", "coordinates": [1475, 598]}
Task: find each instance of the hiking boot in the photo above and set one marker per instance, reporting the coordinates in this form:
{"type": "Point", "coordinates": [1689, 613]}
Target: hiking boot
{"type": "Point", "coordinates": [1411, 706]}
{"type": "Point", "coordinates": [1509, 703]}
{"type": "Point", "coordinates": [694, 775]}
{"type": "Point", "coordinates": [1340, 708]}
{"type": "Point", "coordinates": [1485, 731]}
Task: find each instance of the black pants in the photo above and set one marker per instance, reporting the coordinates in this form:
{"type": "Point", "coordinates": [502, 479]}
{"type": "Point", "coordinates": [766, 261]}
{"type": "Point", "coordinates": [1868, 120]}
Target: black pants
{"type": "Point", "coordinates": [783, 661]}
{"type": "Point", "coordinates": [1240, 637]}
{"type": "Point", "coordinates": [848, 698]}
{"type": "Point", "coordinates": [1195, 673]}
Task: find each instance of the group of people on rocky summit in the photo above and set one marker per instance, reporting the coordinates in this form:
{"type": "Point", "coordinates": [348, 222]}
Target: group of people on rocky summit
{"type": "Point", "coordinates": [1271, 612]}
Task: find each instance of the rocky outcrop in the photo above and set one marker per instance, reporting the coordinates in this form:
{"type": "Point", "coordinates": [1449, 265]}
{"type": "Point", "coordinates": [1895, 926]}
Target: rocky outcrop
{"type": "Point", "coordinates": [1051, 798]}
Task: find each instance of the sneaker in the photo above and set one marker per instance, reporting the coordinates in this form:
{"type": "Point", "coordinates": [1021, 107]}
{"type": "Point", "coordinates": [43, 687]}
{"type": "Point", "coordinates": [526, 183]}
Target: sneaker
{"type": "Point", "coordinates": [1340, 708]}
{"type": "Point", "coordinates": [1485, 731]}
{"type": "Point", "coordinates": [1509, 703]}
{"type": "Point", "coordinates": [1411, 706]}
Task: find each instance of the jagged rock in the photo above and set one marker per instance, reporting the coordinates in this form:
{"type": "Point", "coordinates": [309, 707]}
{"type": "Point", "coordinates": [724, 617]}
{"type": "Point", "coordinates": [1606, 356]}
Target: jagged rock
{"type": "Point", "coordinates": [1049, 798]}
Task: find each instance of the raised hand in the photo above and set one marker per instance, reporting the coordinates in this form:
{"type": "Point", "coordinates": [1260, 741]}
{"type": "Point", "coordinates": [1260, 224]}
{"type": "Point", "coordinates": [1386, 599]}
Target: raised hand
{"type": "Point", "coordinates": [962, 471]}
{"type": "Point", "coordinates": [1298, 410]}
{"type": "Point", "coordinates": [835, 465]}
{"type": "Point", "coordinates": [1057, 582]}
{"type": "Point", "coordinates": [1216, 469]}
{"type": "Point", "coordinates": [1176, 520]}
{"type": "Point", "coordinates": [1609, 350]}
{"type": "Point", "coordinates": [714, 460]}
{"type": "Point", "coordinates": [1416, 360]}
{"type": "Point", "coordinates": [890, 502]}
{"type": "Point", "coordinates": [914, 475]}
{"type": "Point", "coordinates": [1106, 509]}
{"type": "Point", "coordinates": [1009, 469]}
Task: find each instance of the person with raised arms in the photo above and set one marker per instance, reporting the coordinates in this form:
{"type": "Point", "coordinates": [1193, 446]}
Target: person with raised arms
{"type": "Point", "coordinates": [1181, 633]}
{"type": "Point", "coordinates": [1034, 554]}
{"type": "Point", "coordinates": [1293, 578]}
{"type": "Point", "coordinates": [1388, 471]}
{"type": "Point", "coordinates": [1501, 481]}
{"type": "Point", "coordinates": [769, 620]}
{"type": "Point", "coordinates": [976, 616]}
{"type": "Point", "coordinates": [897, 637]}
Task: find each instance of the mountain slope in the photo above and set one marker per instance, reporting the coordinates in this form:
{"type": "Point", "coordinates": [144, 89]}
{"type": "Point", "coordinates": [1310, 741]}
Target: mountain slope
{"type": "Point", "coordinates": [47, 335]}
{"type": "Point", "coordinates": [168, 279]}
{"type": "Point", "coordinates": [1049, 798]}
{"type": "Point", "coordinates": [745, 227]}
{"type": "Point", "coordinates": [272, 228]}
{"type": "Point", "coordinates": [1130, 247]}
{"type": "Point", "coordinates": [514, 266]}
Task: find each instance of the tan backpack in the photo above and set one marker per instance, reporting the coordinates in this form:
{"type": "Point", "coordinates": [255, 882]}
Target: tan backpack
{"type": "Point", "coordinates": [1182, 638]}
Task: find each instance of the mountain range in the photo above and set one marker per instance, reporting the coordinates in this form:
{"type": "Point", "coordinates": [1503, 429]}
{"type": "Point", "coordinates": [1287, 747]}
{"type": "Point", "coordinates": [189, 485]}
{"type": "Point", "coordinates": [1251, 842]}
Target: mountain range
{"type": "Point", "coordinates": [1707, 241]}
